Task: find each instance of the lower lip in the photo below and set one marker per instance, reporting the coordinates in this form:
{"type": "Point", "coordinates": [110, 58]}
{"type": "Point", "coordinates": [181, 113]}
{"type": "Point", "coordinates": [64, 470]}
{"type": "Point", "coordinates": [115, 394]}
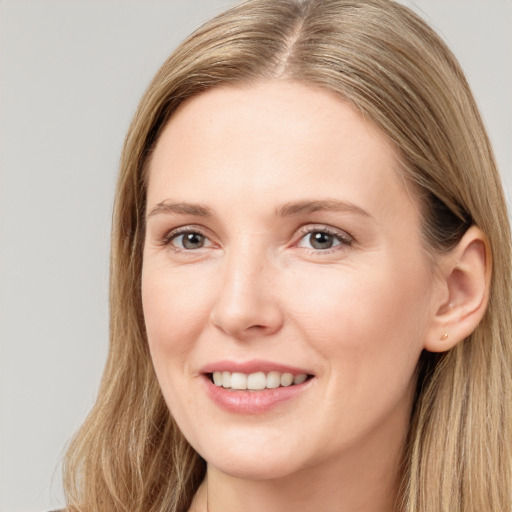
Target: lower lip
{"type": "Point", "coordinates": [252, 402]}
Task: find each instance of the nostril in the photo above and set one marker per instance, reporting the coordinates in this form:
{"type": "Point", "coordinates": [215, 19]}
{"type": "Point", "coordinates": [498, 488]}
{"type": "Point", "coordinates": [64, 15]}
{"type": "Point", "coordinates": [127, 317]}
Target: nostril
{"type": "Point", "coordinates": [257, 327]}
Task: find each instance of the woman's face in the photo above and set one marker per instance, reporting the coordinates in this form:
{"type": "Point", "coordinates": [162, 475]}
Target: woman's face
{"type": "Point", "coordinates": [281, 245]}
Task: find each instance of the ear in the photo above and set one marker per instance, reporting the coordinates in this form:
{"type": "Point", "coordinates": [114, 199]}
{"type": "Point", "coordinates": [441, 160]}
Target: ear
{"type": "Point", "coordinates": [465, 276]}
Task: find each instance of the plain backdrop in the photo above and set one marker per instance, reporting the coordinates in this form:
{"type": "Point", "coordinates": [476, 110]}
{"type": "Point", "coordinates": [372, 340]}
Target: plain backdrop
{"type": "Point", "coordinates": [71, 74]}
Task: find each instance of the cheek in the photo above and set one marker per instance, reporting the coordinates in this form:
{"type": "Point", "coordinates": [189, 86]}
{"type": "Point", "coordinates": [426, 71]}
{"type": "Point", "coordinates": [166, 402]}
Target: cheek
{"type": "Point", "coordinates": [376, 315]}
{"type": "Point", "coordinates": [368, 329]}
{"type": "Point", "coordinates": [175, 310]}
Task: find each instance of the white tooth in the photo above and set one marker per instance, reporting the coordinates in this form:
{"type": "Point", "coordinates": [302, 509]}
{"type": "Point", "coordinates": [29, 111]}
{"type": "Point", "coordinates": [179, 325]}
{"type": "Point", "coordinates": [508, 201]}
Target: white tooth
{"type": "Point", "coordinates": [299, 379]}
{"type": "Point", "coordinates": [286, 379]}
{"type": "Point", "coordinates": [217, 378]}
{"type": "Point", "coordinates": [256, 381]}
{"type": "Point", "coordinates": [273, 379]}
{"type": "Point", "coordinates": [238, 380]}
{"type": "Point", "coordinates": [226, 379]}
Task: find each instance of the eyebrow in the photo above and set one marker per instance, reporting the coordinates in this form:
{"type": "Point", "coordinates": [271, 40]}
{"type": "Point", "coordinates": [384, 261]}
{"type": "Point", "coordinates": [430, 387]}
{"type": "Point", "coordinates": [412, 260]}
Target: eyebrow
{"type": "Point", "coordinates": [181, 209]}
{"type": "Point", "coordinates": [297, 207]}
{"type": "Point", "coordinates": [285, 210]}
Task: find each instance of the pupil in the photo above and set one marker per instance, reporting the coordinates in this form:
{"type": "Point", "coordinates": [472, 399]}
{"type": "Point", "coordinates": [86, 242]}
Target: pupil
{"type": "Point", "coordinates": [193, 240]}
{"type": "Point", "coordinates": [321, 240]}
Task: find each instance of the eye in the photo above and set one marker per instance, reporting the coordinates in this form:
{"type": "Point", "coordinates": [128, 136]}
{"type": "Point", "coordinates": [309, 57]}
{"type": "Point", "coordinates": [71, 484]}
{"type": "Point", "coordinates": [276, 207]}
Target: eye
{"type": "Point", "coordinates": [187, 240]}
{"type": "Point", "coordinates": [323, 240]}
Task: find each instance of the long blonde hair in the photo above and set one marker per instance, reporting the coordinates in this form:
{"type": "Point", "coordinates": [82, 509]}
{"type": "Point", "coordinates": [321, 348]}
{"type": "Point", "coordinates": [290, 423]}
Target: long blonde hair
{"type": "Point", "coordinates": [129, 455]}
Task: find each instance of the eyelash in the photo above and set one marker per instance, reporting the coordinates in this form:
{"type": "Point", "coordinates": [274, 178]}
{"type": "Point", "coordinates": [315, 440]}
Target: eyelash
{"type": "Point", "coordinates": [344, 239]}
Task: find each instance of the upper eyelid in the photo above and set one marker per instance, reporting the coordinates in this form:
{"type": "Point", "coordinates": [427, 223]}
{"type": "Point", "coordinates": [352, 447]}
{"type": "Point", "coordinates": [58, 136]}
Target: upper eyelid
{"type": "Point", "coordinates": [311, 228]}
{"type": "Point", "coordinates": [188, 228]}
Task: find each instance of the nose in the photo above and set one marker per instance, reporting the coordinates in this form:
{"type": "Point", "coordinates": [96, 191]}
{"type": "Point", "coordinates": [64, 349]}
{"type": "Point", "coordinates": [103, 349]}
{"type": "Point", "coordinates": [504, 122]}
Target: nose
{"type": "Point", "coordinates": [245, 304]}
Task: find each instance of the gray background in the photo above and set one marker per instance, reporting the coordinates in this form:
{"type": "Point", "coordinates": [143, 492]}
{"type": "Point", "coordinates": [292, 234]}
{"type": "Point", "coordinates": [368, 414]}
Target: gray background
{"type": "Point", "coordinates": [71, 73]}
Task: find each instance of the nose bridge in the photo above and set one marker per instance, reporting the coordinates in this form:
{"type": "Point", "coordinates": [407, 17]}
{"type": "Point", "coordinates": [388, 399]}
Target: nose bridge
{"type": "Point", "coordinates": [244, 302]}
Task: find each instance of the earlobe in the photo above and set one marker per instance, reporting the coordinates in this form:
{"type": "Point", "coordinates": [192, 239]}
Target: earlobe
{"type": "Point", "coordinates": [465, 281]}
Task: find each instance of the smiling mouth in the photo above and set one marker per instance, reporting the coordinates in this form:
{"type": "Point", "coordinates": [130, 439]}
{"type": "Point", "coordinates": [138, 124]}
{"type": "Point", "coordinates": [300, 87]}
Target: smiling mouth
{"type": "Point", "coordinates": [236, 381]}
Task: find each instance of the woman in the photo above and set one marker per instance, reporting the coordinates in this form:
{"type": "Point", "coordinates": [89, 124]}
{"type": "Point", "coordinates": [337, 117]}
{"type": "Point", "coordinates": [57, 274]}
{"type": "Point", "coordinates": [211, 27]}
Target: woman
{"type": "Point", "coordinates": [310, 278]}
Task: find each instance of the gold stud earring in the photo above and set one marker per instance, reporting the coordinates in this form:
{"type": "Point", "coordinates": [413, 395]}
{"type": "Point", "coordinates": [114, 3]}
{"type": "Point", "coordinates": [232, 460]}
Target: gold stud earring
{"type": "Point", "coordinates": [444, 337]}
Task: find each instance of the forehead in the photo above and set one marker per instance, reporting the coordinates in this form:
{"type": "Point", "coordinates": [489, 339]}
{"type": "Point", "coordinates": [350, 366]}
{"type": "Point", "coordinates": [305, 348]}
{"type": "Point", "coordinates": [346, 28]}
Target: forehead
{"type": "Point", "coordinates": [280, 140]}
{"type": "Point", "coordinates": [254, 115]}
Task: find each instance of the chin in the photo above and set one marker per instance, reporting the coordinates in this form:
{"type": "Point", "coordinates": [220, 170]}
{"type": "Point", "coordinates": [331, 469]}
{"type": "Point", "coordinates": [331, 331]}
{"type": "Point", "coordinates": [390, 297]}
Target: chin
{"type": "Point", "coordinates": [245, 469]}
{"type": "Point", "coordinates": [255, 461]}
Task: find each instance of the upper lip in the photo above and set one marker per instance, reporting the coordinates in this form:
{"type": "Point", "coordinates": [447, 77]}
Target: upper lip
{"type": "Point", "coordinates": [252, 366]}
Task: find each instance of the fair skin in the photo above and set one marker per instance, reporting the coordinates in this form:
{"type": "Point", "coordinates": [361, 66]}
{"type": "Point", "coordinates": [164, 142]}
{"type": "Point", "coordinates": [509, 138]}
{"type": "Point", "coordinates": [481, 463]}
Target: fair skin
{"type": "Point", "coordinates": [281, 238]}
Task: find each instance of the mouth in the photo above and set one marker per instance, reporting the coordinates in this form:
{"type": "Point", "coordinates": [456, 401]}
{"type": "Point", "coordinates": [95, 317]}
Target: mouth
{"type": "Point", "coordinates": [256, 386]}
{"type": "Point", "coordinates": [257, 381]}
